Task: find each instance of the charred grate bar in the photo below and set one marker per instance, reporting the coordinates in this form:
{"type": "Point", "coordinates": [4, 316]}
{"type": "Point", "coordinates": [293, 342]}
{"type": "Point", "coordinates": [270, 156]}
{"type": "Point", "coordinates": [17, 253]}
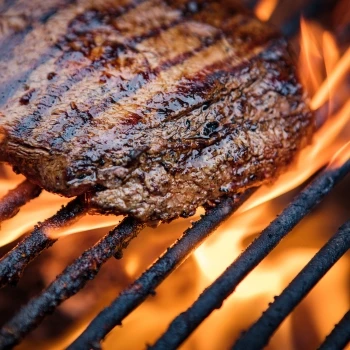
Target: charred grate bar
{"type": "Point", "coordinates": [14, 199]}
{"type": "Point", "coordinates": [213, 297]}
{"type": "Point", "coordinates": [340, 335]}
{"type": "Point", "coordinates": [14, 262]}
{"type": "Point", "coordinates": [133, 296]}
{"type": "Point", "coordinates": [259, 334]}
{"type": "Point", "coordinates": [72, 279]}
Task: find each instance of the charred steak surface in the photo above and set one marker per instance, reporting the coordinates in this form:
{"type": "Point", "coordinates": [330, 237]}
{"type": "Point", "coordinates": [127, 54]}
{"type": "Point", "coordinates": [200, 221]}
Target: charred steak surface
{"type": "Point", "coordinates": [152, 108]}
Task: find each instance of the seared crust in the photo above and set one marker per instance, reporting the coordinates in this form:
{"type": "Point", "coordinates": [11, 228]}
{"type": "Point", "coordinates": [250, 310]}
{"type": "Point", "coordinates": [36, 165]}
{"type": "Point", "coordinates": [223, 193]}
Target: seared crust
{"type": "Point", "coordinates": [152, 107]}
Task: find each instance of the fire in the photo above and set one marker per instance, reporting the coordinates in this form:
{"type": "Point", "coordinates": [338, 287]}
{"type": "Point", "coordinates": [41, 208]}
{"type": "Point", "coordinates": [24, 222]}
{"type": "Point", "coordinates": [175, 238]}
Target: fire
{"type": "Point", "coordinates": [336, 77]}
{"type": "Point", "coordinates": [264, 9]}
{"type": "Point", "coordinates": [340, 157]}
{"type": "Point", "coordinates": [40, 209]}
{"type": "Point", "coordinates": [332, 135]}
{"type": "Point", "coordinates": [319, 56]}
{"type": "Point", "coordinates": [323, 69]}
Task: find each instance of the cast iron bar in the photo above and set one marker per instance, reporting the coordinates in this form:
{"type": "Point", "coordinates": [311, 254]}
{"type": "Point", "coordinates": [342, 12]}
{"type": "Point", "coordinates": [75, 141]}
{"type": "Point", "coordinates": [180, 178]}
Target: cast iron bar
{"type": "Point", "coordinates": [258, 335]}
{"type": "Point", "coordinates": [340, 335]}
{"type": "Point", "coordinates": [135, 294]}
{"type": "Point", "coordinates": [16, 198]}
{"type": "Point", "coordinates": [68, 283]}
{"type": "Point", "coordinates": [15, 261]}
{"type": "Point", "coordinates": [213, 297]}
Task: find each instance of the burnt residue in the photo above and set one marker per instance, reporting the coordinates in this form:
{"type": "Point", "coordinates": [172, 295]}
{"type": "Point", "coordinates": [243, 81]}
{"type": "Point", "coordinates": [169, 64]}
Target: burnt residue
{"type": "Point", "coordinates": [26, 98]}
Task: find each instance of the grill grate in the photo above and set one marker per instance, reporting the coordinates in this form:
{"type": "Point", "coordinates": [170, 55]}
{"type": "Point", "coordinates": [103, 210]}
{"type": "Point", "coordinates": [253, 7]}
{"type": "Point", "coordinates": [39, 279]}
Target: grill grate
{"type": "Point", "coordinates": [75, 276]}
{"type": "Point", "coordinates": [167, 263]}
{"type": "Point", "coordinates": [72, 279]}
{"type": "Point", "coordinates": [258, 335]}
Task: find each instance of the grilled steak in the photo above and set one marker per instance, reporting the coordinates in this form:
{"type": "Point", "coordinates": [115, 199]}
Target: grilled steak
{"type": "Point", "coordinates": [152, 108]}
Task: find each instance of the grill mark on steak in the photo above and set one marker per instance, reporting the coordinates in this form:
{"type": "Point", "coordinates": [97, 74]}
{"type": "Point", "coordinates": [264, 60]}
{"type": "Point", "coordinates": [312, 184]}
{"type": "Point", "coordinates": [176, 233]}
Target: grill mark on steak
{"type": "Point", "coordinates": [80, 74]}
{"type": "Point", "coordinates": [176, 93]}
{"type": "Point", "coordinates": [30, 19]}
{"type": "Point", "coordinates": [31, 122]}
{"type": "Point", "coordinates": [10, 87]}
{"type": "Point", "coordinates": [159, 118]}
{"type": "Point", "coordinates": [188, 92]}
{"type": "Point", "coordinates": [105, 139]}
{"type": "Point", "coordinates": [245, 157]}
{"type": "Point", "coordinates": [44, 38]}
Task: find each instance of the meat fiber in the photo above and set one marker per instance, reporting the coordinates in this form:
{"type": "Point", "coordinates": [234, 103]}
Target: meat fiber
{"type": "Point", "coordinates": [150, 108]}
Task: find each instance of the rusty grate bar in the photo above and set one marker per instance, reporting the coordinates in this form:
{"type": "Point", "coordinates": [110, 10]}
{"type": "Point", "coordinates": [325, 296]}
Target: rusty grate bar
{"type": "Point", "coordinates": [259, 334]}
{"type": "Point", "coordinates": [16, 198]}
{"type": "Point", "coordinates": [134, 295]}
{"type": "Point", "coordinates": [213, 297]}
{"type": "Point", "coordinates": [71, 280]}
{"type": "Point", "coordinates": [340, 335]}
{"type": "Point", "coordinates": [14, 262]}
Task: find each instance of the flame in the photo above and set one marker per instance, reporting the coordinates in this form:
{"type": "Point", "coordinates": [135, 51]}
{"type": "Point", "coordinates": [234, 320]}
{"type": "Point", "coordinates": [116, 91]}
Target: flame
{"type": "Point", "coordinates": [264, 9]}
{"type": "Point", "coordinates": [40, 209]}
{"type": "Point", "coordinates": [323, 71]}
{"type": "Point", "coordinates": [318, 48]}
{"type": "Point", "coordinates": [324, 92]}
{"type": "Point", "coordinates": [310, 160]}
{"type": "Point", "coordinates": [311, 59]}
{"type": "Point", "coordinates": [342, 156]}
{"type": "Point", "coordinates": [328, 139]}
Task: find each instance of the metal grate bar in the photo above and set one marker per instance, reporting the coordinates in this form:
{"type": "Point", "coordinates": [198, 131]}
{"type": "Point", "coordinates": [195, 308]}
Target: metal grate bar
{"type": "Point", "coordinates": [259, 334]}
{"type": "Point", "coordinates": [14, 262]}
{"type": "Point", "coordinates": [134, 295]}
{"type": "Point", "coordinates": [16, 198]}
{"type": "Point", "coordinates": [213, 297]}
{"type": "Point", "coordinates": [340, 335]}
{"type": "Point", "coordinates": [71, 280]}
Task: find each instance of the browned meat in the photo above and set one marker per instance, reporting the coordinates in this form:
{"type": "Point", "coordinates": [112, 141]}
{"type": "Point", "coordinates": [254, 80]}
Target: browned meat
{"type": "Point", "coordinates": [151, 107]}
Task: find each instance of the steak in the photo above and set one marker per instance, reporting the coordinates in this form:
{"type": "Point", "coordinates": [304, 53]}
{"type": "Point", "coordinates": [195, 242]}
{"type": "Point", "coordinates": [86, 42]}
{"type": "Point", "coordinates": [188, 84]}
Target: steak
{"type": "Point", "coordinates": [150, 108]}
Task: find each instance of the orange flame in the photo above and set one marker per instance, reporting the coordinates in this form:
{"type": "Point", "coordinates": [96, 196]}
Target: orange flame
{"type": "Point", "coordinates": [264, 9]}
{"type": "Point", "coordinates": [323, 72]}
{"type": "Point", "coordinates": [41, 208]}
{"type": "Point", "coordinates": [330, 84]}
